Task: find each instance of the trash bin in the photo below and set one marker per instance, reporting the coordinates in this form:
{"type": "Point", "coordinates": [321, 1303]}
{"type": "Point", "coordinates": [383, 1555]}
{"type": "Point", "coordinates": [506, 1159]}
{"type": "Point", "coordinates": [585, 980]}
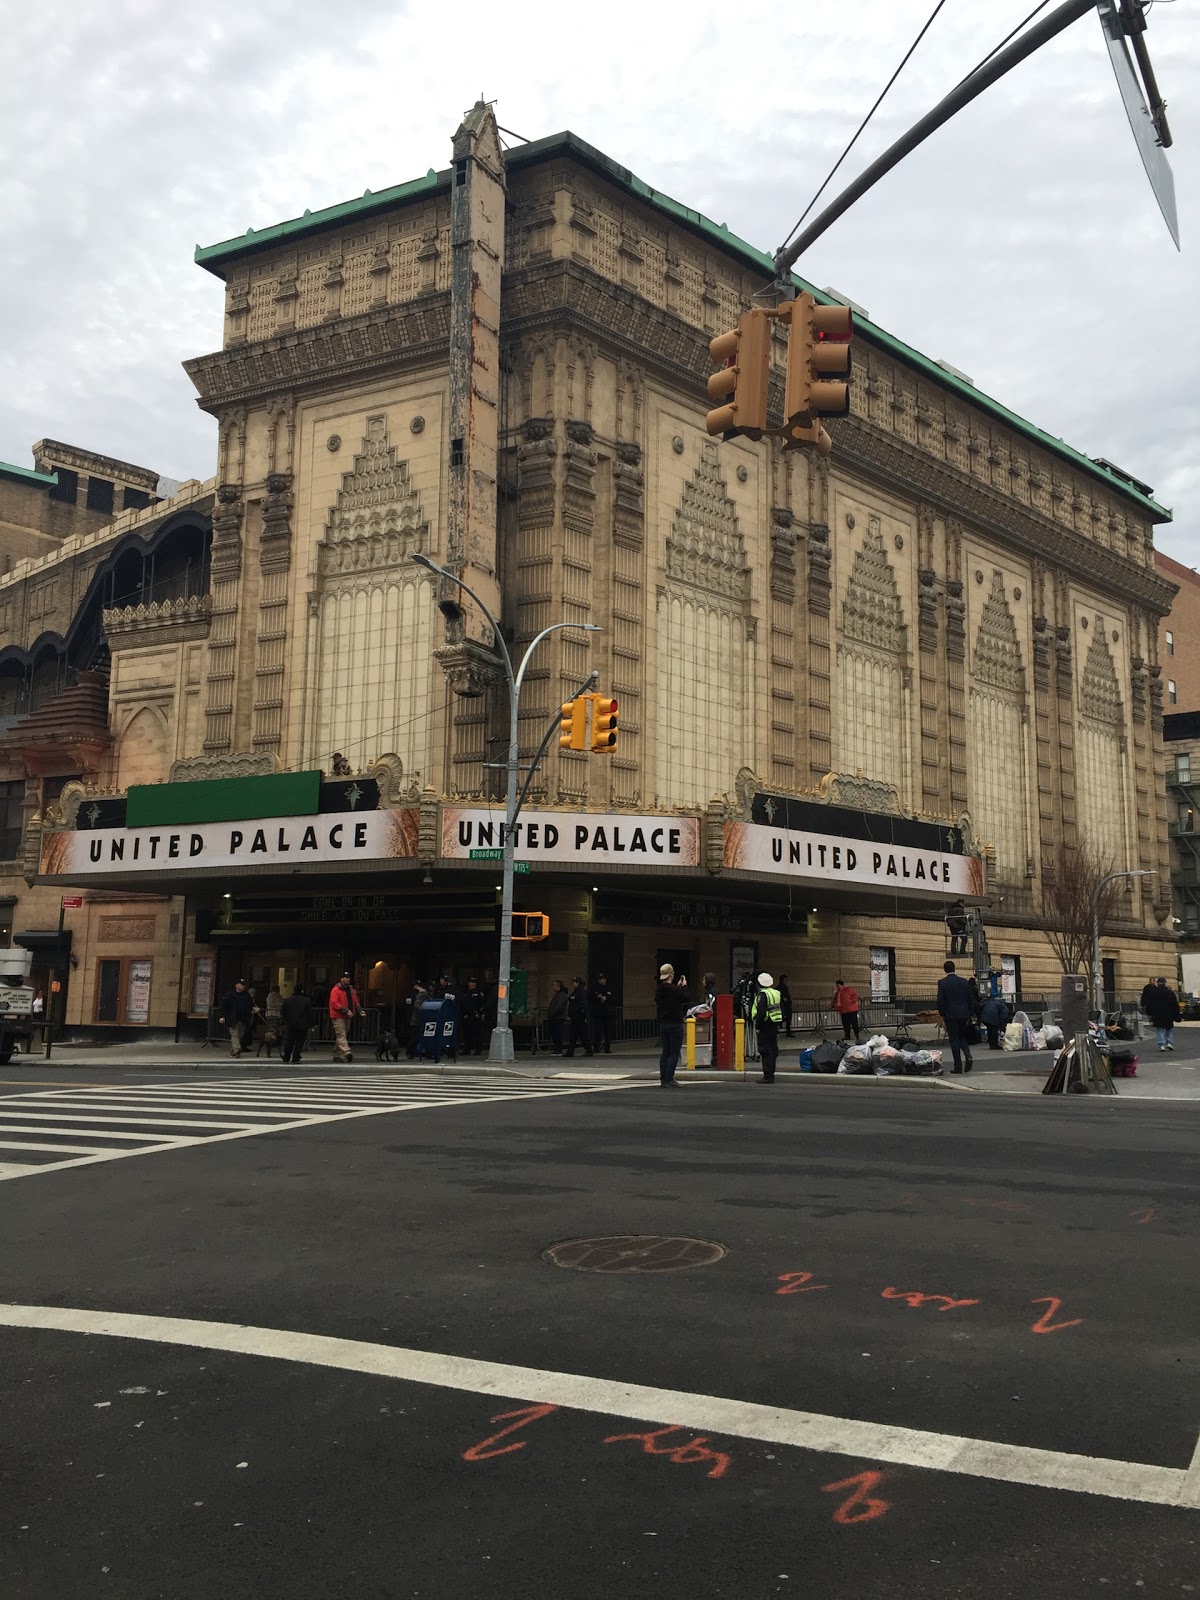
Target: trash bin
{"type": "Point", "coordinates": [439, 1029]}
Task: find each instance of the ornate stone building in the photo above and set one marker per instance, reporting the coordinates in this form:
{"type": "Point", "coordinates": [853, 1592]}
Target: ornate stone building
{"type": "Point", "coordinates": [845, 684]}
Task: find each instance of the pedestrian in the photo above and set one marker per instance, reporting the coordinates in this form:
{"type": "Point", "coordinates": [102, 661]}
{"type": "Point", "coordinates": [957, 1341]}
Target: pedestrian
{"type": "Point", "coordinates": [238, 1012]}
{"type": "Point", "coordinates": [845, 1003]}
{"type": "Point", "coordinates": [785, 1003]}
{"type": "Point", "coordinates": [556, 1018]}
{"type": "Point", "coordinates": [273, 1008]}
{"type": "Point", "coordinates": [578, 1013]}
{"type": "Point", "coordinates": [343, 1008]}
{"type": "Point", "coordinates": [994, 1015]}
{"type": "Point", "coordinates": [768, 1015]}
{"type": "Point", "coordinates": [671, 1000]}
{"type": "Point", "coordinates": [956, 921]}
{"type": "Point", "coordinates": [296, 1015]}
{"type": "Point", "coordinates": [954, 1002]}
{"type": "Point", "coordinates": [474, 1019]}
{"type": "Point", "coordinates": [1164, 1013]}
{"type": "Point", "coordinates": [38, 1010]}
{"type": "Point", "coordinates": [709, 983]}
{"type": "Point", "coordinates": [1147, 995]}
{"type": "Point", "coordinates": [603, 1006]}
{"type": "Point", "coordinates": [415, 1001]}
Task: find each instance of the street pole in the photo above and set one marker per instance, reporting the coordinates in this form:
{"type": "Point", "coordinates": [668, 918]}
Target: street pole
{"type": "Point", "coordinates": [501, 1049]}
{"type": "Point", "coordinates": [51, 1007]}
{"type": "Point", "coordinates": [1097, 985]}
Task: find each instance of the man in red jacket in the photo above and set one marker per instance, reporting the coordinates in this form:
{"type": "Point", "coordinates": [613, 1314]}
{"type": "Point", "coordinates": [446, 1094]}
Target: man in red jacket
{"type": "Point", "coordinates": [845, 1003]}
{"type": "Point", "coordinates": [343, 1005]}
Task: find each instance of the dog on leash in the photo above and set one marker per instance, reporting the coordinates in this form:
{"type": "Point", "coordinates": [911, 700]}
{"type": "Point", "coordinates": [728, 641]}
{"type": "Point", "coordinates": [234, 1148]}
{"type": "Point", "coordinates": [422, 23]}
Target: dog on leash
{"type": "Point", "coordinates": [388, 1047]}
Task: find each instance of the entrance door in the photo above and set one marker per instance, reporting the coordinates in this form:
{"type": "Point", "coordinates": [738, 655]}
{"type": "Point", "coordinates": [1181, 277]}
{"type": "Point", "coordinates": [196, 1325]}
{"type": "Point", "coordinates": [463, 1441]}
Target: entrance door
{"type": "Point", "coordinates": [108, 991]}
{"type": "Point", "coordinates": [606, 954]}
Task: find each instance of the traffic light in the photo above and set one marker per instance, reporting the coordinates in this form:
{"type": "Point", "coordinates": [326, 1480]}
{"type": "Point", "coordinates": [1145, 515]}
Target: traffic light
{"type": "Point", "coordinates": [572, 732]}
{"type": "Point", "coordinates": [529, 927]}
{"type": "Point", "coordinates": [818, 352]}
{"type": "Point", "coordinates": [745, 375]}
{"type": "Point", "coordinates": [604, 725]}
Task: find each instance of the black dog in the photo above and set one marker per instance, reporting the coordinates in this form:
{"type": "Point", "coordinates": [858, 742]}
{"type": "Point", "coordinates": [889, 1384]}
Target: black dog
{"type": "Point", "coordinates": [388, 1045]}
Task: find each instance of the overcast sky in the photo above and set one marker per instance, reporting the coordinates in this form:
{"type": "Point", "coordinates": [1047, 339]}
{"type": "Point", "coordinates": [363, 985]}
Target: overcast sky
{"type": "Point", "coordinates": [1021, 243]}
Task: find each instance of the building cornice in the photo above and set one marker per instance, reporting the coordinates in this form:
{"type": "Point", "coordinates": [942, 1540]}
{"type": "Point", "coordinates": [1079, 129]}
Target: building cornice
{"type": "Point", "coordinates": [415, 332]}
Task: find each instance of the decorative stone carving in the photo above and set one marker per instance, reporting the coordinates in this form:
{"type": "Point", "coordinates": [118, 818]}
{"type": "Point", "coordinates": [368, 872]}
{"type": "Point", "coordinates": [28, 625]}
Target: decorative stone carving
{"type": "Point", "coordinates": [376, 520]}
{"type": "Point", "coordinates": [820, 586]}
{"type": "Point", "coordinates": [394, 788]}
{"type": "Point", "coordinates": [469, 669]}
{"type": "Point", "coordinates": [226, 556]}
{"type": "Point", "coordinates": [956, 621]}
{"type": "Point", "coordinates": [705, 547]}
{"type": "Point", "coordinates": [871, 611]}
{"type": "Point", "coordinates": [275, 546]}
{"type": "Point", "coordinates": [1062, 662]}
{"type": "Point", "coordinates": [1041, 654]}
{"type": "Point", "coordinates": [862, 794]}
{"type": "Point", "coordinates": [159, 622]}
{"type": "Point", "coordinates": [193, 769]}
{"type": "Point", "coordinates": [1100, 698]}
{"type": "Point", "coordinates": [927, 608]}
{"type": "Point", "coordinates": [997, 649]}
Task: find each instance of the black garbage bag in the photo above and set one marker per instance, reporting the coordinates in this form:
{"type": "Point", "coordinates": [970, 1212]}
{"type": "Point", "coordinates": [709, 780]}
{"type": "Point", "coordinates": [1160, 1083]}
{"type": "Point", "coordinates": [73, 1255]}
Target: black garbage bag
{"type": "Point", "coordinates": [827, 1057]}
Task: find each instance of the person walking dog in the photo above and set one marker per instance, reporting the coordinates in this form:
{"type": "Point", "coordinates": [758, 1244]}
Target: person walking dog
{"type": "Point", "coordinates": [343, 1008]}
{"type": "Point", "coordinates": [238, 1012]}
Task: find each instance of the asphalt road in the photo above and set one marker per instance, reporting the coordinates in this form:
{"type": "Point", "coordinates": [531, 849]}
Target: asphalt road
{"type": "Point", "coordinates": [905, 1272]}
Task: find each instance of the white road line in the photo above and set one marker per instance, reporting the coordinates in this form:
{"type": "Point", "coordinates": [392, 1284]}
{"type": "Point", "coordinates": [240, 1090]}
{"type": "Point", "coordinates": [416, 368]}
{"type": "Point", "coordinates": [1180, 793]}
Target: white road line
{"type": "Point", "coordinates": [89, 1151]}
{"type": "Point", "coordinates": [804, 1430]}
{"type": "Point", "coordinates": [1189, 1495]}
{"type": "Point", "coordinates": [81, 1133]}
{"type": "Point", "coordinates": [91, 1157]}
{"type": "Point", "coordinates": [14, 1169]}
{"type": "Point", "coordinates": [41, 1118]}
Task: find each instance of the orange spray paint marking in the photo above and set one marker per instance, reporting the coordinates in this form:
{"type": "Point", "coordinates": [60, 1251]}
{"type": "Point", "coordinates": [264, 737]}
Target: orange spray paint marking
{"type": "Point", "coordinates": [797, 1283]}
{"type": "Point", "coordinates": [526, 1415]}
{"type": "Point", "coordinates": [1143, 1214]}
{"type": "Point", "coordinates": [683, 1454]}
{"type": "Point", "coordinates": [912, 1298]}
{"type": "Point", "coordinates": [861, 1506]}
{"type": "Point", "coordinates": [1043, 1323]}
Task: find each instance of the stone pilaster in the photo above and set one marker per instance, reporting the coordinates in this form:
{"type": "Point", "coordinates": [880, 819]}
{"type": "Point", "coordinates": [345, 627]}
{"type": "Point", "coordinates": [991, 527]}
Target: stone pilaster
{"type": "Point", "coordinates": [226, 567]}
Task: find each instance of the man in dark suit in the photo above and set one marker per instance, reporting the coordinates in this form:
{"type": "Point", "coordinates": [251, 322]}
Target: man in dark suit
{"type": "Point", "coordinates": [956, 1005]}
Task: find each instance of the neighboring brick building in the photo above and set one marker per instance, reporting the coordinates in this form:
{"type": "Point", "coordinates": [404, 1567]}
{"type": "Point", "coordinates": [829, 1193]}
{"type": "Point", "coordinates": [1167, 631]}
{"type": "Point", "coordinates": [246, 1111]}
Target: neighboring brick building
{"type": "Point", "coordinates": [839, 679]}
{"type": "Point", "coordinates": [1179, 637]}
{"type": "Point", "coordinates": [68, 491]}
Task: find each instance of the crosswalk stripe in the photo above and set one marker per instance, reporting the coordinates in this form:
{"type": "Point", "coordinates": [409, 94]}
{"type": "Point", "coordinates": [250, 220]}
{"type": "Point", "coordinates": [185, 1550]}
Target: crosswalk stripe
{"type": "Point", "coordinates": [173, 1116]}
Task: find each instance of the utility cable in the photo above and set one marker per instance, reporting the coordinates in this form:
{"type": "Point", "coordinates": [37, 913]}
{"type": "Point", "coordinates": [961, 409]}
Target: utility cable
{"type": "Point", "coordinates": [867, 119]}
{"type": "Point", "coordinates": [1003, 42]}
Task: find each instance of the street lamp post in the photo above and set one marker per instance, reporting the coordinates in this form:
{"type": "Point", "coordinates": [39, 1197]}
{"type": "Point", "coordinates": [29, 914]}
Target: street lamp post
{"type": "Point", "coordinates": [501, 1049]}
{"type": "Point", "coordinates": [1097, 985]}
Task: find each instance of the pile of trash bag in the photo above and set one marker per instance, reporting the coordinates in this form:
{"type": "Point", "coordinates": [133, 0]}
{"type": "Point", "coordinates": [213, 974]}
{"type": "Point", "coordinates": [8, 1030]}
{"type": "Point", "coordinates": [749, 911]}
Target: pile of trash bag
{"type": "Point", "coordinates": [1020, 1034]}
{"type": "Point", "coordinates": [877, 1056]}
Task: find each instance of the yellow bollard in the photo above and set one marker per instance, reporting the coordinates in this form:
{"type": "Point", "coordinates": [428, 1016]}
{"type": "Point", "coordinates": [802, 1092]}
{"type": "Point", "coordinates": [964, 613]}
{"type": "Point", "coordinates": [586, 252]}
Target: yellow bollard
{"type": "Point", "coordinates": [690, 1045]}
{"type": "Point", "coordinates": [739, 1044]}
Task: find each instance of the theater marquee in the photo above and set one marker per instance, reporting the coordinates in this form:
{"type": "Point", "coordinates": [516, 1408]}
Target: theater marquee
{"type": "Point", "coordinates": [585, 839]}
{"type": "Point", "coordinates": [751, 847]}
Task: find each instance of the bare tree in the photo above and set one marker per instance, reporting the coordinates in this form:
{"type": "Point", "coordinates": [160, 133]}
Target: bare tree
{"type": "Point", "coordinates": [1069, 897]}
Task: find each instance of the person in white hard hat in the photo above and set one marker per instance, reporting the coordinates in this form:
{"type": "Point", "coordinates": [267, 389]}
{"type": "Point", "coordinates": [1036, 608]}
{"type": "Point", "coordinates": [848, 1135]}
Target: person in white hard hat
{"type": "Point", "coordinates": [768, 1017]}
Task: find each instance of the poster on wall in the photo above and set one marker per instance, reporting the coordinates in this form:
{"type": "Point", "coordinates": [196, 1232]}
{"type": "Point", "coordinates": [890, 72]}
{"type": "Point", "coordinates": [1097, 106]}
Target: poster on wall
{"type": "Point", "coordinates": [137, 1006]}
{"type": "Point", "coordinates": [202, 985]}
{"type": "Point", "coordinates": [743, 963]}
{"type": "Point", "coordinates": [1008, 977]}
{"type": "Point", "coordinates": [881, 975]}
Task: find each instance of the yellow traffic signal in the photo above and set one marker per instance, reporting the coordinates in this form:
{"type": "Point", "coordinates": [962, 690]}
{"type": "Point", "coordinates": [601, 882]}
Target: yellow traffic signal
{"type": "Point", "coordinates": [604, 725]}
{"type": "Point", "coordinates": [572, 732]}
{"type": "Point", "coordinates": [818, 349]}
{"type": "Point", "coordinates": [529, 927]}
{"type": "Point", "coordinates": [744, 378]}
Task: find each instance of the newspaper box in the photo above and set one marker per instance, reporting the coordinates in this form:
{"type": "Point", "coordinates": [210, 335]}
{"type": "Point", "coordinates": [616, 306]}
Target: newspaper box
{"type": "Point", "coordinates": [702, 1016]}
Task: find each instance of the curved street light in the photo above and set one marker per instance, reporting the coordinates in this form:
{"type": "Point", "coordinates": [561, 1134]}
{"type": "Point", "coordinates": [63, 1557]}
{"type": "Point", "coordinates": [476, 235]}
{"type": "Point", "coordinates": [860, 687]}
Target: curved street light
{"type": "Point", "coordinates": [501, 1048]}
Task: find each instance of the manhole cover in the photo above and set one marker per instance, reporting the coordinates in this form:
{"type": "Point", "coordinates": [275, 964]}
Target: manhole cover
{"type": "Point", "coordinates": [634, 1252]}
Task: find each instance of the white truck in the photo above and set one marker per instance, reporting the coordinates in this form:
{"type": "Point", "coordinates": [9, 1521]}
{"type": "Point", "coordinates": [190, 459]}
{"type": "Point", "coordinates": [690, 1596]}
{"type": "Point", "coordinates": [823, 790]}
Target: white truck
{"type": "Point", "coordinates": [16, 1002]}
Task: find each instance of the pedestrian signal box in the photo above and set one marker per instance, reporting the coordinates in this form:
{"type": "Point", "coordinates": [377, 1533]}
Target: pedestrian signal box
{"type": "Point", "coordinates": [530, 927]}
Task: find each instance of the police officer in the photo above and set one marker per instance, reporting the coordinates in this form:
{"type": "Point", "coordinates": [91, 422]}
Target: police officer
{"type": "Point", "coordinates": [768, 1016]}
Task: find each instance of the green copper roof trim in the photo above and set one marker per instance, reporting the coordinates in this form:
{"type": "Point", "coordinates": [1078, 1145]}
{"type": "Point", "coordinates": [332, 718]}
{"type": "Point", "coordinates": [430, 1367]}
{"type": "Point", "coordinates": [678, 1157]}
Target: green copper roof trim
{"type": "Point", "coordinates": [27, 474]}
{"type": "Point", "coordinates": [313, 221]}
{"type": "Point", "coordinates": [568, 143]}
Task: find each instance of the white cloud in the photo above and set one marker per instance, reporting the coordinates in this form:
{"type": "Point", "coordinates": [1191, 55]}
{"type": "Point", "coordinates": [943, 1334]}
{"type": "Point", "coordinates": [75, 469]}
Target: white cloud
{"type": "Point", "coordinates": [1020, 243]}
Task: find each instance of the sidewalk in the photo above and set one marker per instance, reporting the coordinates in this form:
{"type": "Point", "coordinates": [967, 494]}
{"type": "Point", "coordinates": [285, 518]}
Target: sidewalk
{"type": "Point", "coordinates": [1171, 1077]}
